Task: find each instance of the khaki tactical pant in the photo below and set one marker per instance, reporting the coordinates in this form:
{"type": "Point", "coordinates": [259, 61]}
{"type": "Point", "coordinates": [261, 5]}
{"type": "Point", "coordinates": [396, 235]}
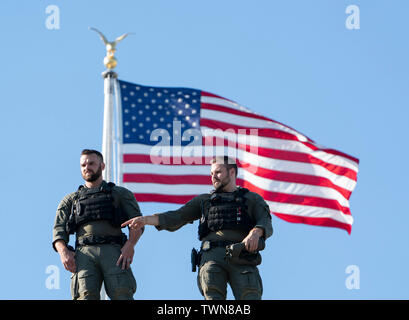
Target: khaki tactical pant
{"type": "Point", "coordinates": [97, 264]}
{"type": "Point", "coordinates": [214, 274]}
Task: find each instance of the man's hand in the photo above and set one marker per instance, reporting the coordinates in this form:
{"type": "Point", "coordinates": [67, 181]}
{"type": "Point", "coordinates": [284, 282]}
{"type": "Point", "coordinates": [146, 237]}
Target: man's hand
{"type": "Point", "coordinates": [126, 257]}
{"type": "Point", "coordinates": [135, 223]}
{"type": "Point", "coordinates": [67, 257]}
{"type": "Point", "coordinates": [251, 241]}
{"type": "Point", "coordinates": [139, 222]}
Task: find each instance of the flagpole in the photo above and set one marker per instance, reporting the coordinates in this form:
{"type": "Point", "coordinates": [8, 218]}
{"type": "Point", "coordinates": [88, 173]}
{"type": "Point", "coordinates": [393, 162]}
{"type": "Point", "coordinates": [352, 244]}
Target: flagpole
{"type": "Point", "coordinates": [107, 134]}
{"type": "Point", "coordinates": [118, 139]}
{"type": "Point", "coordinates": [108, 129]}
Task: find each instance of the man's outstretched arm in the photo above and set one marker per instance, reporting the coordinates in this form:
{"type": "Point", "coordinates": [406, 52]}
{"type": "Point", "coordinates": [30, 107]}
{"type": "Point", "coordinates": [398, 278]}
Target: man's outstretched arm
{"type": "Point", "coordinates": [138, 223]}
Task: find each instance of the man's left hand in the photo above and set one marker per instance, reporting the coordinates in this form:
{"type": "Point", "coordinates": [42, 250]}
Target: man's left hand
{"type": "Point", "coordinates": [126, 257]}
{"type": "Point", "coordinates": [251, 241]}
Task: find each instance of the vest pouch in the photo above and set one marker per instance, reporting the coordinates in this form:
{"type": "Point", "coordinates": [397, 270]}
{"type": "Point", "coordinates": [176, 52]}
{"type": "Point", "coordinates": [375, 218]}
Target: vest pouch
{"type": "Point", "coordinates": [78, 209]}
{"type": "Point", "coordinates": [225, 211]}
{"type": "Point", "coordinates": [92, 206]}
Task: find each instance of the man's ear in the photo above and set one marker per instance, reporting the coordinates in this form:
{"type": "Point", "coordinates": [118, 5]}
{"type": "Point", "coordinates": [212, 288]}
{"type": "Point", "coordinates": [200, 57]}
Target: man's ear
{"type": "Point", "coordinates": [103, 166]}
{"type": "Point", "coordinates": [232, 173]}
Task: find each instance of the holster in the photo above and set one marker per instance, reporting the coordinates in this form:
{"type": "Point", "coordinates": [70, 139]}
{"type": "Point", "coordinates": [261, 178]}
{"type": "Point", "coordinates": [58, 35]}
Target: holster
{"type": "Point", "coordinates": [195, 259]}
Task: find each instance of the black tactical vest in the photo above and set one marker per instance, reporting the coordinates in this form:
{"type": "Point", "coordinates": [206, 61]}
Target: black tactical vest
{"type": "Point", "coordinates": [225, 211]}
{"type": "Point", "coordinates": [91, 205]}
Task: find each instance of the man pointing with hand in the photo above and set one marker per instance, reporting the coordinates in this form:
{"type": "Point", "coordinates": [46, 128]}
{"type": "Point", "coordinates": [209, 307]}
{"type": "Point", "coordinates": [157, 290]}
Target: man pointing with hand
{"type": "Point", "coordinates": [228, 215]}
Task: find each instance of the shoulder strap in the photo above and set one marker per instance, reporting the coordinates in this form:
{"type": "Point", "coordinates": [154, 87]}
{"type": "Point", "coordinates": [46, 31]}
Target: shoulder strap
{"type": "Point", "coordinates": [242, 191]}
{"type": "Point", "coordinates": [108, 187]}
{"type": "Point", "coordinates": [77, 193]}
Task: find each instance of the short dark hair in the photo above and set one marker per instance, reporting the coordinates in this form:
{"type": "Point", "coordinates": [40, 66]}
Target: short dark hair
{"type": "Point", "coordinates": [91, 151]}
{"type": "Point", "coordinates": [227, 162]}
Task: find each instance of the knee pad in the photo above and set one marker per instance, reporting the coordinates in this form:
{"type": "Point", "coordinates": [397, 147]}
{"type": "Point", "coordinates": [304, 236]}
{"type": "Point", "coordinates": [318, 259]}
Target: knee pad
{"type": "Point", "coordinates": [212, 282]}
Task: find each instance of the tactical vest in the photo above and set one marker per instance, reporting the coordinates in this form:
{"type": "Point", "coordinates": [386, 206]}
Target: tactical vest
{"type": "Point", "coordinates": [93, 204]}
{"type": "Point", "coordinates": [225, 211]}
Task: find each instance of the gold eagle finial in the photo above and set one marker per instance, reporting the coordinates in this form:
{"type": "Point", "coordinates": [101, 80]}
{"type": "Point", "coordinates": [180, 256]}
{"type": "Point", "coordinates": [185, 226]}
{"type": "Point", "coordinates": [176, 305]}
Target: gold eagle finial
{"type": "Point", "coordinates": [109, 60]}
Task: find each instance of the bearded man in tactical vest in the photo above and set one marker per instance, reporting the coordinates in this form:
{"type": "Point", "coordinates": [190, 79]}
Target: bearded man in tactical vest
{"type": "Point", "coordinates": [234, 222]}
{"type": "Point", "coordinates": [102, 253]}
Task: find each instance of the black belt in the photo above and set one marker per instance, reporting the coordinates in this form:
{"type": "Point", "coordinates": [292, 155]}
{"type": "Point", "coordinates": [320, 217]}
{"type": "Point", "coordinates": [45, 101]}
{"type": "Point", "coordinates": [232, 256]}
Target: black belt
{"type": "Point", "coordinates": [92, 240]}
{"type": "Point", "coordinates": [207, 245]}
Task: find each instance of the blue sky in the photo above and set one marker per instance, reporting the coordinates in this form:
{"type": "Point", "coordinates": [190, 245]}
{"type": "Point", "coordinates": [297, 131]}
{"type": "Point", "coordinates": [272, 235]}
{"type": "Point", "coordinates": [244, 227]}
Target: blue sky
{"type": "Point", "coordinates": [292, 61]}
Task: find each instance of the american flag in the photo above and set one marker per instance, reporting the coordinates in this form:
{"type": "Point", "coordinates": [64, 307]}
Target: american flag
{"type": "Point", "coordinates": [169, 135]}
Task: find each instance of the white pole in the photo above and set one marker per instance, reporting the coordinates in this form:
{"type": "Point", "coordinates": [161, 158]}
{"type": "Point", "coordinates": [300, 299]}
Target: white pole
{"type": "Point", "coordinates": [108, 130]}
{"type": "Point", "coordinates": [118, 139]}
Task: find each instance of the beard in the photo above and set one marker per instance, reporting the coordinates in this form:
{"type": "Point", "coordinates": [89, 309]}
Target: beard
{"type": "Point", "coordinates": [220, 184]}
{"type": "Point", "coordinates": [93, 176]}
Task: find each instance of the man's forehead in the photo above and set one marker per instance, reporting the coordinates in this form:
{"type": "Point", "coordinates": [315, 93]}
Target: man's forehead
{"type": "Point", "coordinates": [88, 158]}
{"type": "Point", "coordinates": [217, 167]}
